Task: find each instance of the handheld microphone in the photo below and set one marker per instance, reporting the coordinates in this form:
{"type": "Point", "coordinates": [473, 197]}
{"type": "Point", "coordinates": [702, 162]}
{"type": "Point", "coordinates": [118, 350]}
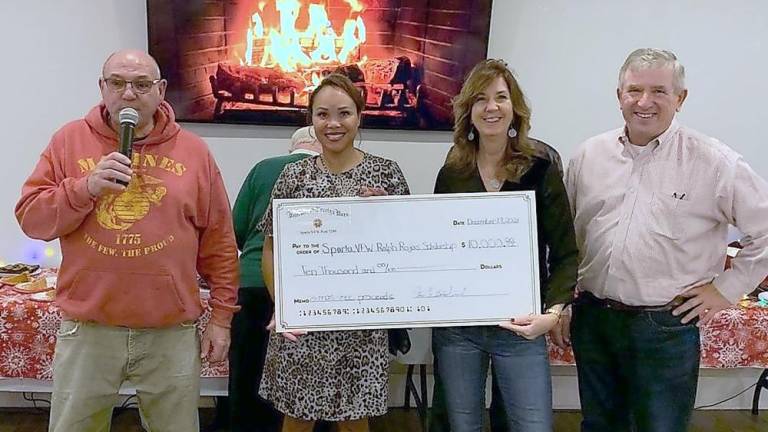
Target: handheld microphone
{"type": "Point", "coordinates": [128, 118]}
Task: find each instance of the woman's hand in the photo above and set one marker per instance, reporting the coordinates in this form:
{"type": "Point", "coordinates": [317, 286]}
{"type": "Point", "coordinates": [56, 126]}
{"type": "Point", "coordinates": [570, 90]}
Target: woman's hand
{"type": "Point", "coordinates": [291, 336]}
{"type": "Point", "coordinates": [561, 332]}
{"type": "Point", "coordinates": [532, 326]}
{"type": "Point", "coordinates": [366, 191]}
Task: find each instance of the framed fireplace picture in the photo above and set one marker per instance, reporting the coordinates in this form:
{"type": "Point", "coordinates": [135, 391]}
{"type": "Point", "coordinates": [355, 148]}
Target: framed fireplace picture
{"type": "Point", "coordinates": [257, 61]}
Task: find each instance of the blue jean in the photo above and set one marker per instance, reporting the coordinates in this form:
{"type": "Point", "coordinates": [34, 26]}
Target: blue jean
{"type": "Point", "coordinates": [637, 370]}
{"type": "Point", "coordinates": [520, 367]}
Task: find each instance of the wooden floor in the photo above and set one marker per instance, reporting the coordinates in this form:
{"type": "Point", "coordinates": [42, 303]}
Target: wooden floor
{"type": "Point", "coordinates": [396, 420]}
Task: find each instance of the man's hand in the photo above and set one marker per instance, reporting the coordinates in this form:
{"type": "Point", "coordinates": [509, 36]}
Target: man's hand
{"type": "Point", "coordinates": [291, 336]}
{"type": "Point", "coordinates": [215, 343]}
{"type": "Point", "coordinates": [114, 166]}
{"type": "Point", "coordinates": [561, 332]}
{"type": "Point", "coordinates": [531, 326]}
{"type": "Point", "coordinates": [704, 301]}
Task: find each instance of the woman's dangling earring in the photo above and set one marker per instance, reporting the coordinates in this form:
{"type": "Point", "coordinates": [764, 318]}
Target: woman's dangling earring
{"type": "Point", "coordinates": [471, 134]}
{"type": "Point", "coordinates": [512, 132]}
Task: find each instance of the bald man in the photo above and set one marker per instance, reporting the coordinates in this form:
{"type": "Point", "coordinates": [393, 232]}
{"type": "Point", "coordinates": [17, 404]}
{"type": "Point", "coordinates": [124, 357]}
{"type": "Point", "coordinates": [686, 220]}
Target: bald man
{"type": "Point", "coordinates": [134, 234]}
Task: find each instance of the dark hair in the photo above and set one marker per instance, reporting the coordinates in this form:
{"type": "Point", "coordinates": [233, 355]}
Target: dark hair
{"type": "Point", "coordinates": [463, 154]}
{"type": "Point", "coordinates": [342, 83]}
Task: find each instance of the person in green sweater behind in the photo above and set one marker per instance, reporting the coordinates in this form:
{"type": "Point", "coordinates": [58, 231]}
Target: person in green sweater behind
{"type": "Point", "coordinates": [247, 410]}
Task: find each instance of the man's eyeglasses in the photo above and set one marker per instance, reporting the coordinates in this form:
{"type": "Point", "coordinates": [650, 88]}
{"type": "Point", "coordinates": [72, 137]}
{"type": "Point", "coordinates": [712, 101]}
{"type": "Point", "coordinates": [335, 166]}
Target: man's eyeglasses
{"type": "Point", "coordinates": [139, 85]}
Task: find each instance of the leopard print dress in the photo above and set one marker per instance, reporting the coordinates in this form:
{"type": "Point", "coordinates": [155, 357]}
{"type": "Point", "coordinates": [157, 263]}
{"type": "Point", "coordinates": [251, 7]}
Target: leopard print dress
{"type": "Point", "coordinates": [336, 375]}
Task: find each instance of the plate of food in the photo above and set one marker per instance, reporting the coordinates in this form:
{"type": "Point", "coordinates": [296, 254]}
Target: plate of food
{"type": "Point", "coordinates": [18, 268]}
{"type": "Point", "coordinates": [16, 279]}
{"type": "Point", "coordinates": [35, 286]}
{"type": "Point", "coordinates": [44, 296]}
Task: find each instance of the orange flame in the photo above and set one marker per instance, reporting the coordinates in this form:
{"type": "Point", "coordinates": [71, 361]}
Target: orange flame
{"type": "Point", "coordinates": [255, 30]}
{"type": "Point", "coordinates": [315, 79]}
{"type": "Point", "coordinates": [283, 46]}
{"type": "Point", "coordinates": [355, 5]}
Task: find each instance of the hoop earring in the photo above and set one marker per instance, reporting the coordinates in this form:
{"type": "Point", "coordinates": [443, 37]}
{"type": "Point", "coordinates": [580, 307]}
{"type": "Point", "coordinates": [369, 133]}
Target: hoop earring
{"type": "Point", "coordinates": [512, 132]}
{"type": "Point", "coordinates": [471, 134]}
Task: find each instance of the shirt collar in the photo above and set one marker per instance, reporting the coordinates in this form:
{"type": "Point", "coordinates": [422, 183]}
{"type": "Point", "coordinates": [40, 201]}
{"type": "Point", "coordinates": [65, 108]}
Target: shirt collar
{"type": "Point", "coordinates": [663, 138]}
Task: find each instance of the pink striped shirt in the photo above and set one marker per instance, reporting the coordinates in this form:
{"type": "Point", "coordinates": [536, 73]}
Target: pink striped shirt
{"type": "Point", "coordinates": [651, 223]}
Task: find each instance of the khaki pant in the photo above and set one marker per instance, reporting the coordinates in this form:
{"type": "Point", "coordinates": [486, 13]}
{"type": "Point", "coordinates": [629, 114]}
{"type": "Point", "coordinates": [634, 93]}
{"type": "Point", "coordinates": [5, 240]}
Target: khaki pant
{"type": "Point", "coordinates": [91, 361]}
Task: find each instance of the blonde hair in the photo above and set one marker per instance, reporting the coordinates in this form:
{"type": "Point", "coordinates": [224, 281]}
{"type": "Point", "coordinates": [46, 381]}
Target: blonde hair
{"type": "Point", "coordinates": [519, 153]}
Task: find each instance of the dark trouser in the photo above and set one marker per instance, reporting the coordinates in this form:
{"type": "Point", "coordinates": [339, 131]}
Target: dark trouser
{"type": "Point", "coordinates": [438, 415]}
{"type": "Point", "coordinates": [248, 411]}
{"type": "Point", "coordinates": [637, 370]}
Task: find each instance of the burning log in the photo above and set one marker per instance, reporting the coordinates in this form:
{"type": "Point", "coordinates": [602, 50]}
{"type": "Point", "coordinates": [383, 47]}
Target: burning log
{"type": "Point", "coordinates": [388, 86]}
{"type": "Point", "coordinates": [404, 71]}
{"type": "Point", "coordinates": [239, 80]}
{"type": "Point", "coordinates": [351, 71]}
{"type": "Point", "coordinates": [387, 71]}
{"type": "Point", "coordinates": [379, 71]}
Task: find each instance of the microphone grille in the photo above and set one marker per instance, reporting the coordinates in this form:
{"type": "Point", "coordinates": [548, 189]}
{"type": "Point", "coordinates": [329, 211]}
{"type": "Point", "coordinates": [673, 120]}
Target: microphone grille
{"type": "Point", "coordinates": [129, 115]}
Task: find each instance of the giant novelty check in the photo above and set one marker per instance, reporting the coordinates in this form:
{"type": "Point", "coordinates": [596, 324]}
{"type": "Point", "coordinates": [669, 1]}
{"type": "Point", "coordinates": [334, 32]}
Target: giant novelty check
{"type": "Point", "coordinates": [405, 261]}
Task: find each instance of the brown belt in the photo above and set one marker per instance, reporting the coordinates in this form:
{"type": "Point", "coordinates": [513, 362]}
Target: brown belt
{"type": "Point", "coordinates": [589, 298]}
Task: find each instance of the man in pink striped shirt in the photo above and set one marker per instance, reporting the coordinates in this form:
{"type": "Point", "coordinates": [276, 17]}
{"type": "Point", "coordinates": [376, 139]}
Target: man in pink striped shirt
{"type": "Point", "coordinates": [652, 202]}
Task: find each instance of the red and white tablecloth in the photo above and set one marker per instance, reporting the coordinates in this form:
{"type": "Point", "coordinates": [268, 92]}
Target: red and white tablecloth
{"type": "Point", "coordinates": [736, 337]}
{"type": "Point", "coordinates": [28, 336]}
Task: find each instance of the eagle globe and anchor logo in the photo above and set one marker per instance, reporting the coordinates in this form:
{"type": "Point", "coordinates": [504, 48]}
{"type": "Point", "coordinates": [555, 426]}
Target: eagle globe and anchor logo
{"type": "Point", "coordinates": [121, 211]}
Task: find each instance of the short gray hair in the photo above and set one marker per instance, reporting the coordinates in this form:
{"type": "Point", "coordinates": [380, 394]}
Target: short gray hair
{"type": "Point", "coordinates": [304, 138]}
{"type": "Point", "coordinates": [653, 58]}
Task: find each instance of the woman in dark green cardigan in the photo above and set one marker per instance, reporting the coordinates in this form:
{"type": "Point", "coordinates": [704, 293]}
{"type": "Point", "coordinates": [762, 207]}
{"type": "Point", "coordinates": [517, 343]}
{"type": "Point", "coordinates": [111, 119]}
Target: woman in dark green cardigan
{"type": "Point", "coordinates": [492, 152]}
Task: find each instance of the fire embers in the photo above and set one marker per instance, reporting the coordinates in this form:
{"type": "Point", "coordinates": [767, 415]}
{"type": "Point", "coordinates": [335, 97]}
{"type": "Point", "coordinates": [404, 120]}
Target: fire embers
{"type": "Point", "coordinates": [384, 83]}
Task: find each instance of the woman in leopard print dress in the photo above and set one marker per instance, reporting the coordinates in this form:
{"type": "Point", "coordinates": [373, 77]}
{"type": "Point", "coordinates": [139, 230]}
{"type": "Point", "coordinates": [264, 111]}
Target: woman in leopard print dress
{"type": "Point", "coordinates": [336, 375]}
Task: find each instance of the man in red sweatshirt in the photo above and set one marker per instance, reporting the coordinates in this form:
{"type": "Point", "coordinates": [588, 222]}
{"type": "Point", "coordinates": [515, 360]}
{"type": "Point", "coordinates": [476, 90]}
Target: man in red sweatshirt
{"type": "Point", "coordinates": [127, 284]}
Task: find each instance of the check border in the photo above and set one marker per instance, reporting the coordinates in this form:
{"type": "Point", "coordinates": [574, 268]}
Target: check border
{"type": "Point", "coordinates": [280, 205]}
